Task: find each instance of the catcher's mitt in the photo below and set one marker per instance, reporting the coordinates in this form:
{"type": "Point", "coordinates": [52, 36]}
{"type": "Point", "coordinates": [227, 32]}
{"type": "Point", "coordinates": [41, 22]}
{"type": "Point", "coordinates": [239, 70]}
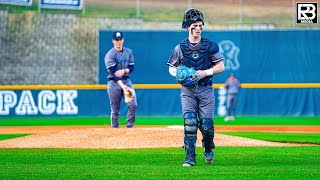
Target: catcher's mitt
{"type": "Point", "coordinates": [187, 76]}
{"type": "Point", "coordinates": [129, 94]}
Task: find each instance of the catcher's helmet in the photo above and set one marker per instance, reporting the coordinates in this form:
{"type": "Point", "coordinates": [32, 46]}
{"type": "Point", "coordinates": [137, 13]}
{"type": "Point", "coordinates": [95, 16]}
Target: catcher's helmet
{"type": "Point", "coordinates": [191, 16]}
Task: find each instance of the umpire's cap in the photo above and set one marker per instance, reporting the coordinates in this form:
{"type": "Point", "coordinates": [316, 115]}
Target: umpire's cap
{"type": "Point", "coordinates": [191, 16]}
{"type": "Point", "coordinates": [117, 35]}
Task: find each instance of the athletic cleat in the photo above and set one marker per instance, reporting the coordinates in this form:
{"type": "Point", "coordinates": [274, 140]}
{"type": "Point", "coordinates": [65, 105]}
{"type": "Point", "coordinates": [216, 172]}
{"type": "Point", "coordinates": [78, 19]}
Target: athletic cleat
{"type": "Point", "coordinates": [188, 163]}
{"type": "Point", "coordinates": [209, 157]}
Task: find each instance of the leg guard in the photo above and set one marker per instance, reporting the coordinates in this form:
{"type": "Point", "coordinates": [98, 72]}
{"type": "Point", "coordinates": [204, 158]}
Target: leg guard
{"type": "Point", "coordinates": [190, 137]}
{"type": "Point", "coordinates": [207, 130]}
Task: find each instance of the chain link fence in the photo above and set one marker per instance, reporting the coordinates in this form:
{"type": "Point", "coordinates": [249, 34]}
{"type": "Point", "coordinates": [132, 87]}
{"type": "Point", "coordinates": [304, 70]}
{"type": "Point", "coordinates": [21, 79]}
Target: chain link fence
{"type": "Point", "coordinates": [55, 48]}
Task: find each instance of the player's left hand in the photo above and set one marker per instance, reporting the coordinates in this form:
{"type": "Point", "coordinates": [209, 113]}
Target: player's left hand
{"type": "Point", "coordinates": [201, 74]}
{"type": "Point", "coordinates": [119, 73]}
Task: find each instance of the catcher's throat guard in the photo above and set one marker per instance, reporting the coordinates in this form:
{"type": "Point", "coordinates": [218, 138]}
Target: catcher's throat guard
{"type": "Point", "coordinates": [187, 76]}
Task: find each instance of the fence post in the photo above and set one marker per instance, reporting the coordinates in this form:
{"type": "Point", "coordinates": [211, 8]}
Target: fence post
{"type": "Point", "coordinates": [189, 3]}
{"type": "Point", "coordinates": [138, 7]}
{"type": "Point", "coordinates": [39, 8]}
{"type": "Point", "coordinates": [84, 7]}
{"type": "Point", "coordinates": [293, 13]}
{"type": "Point", "coordinates": [241, 11]}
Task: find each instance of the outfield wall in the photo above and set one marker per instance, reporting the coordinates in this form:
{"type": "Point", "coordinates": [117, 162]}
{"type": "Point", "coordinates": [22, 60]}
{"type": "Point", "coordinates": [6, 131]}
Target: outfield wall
{"type": "Point", "coordinates": [278, 69]}
{"type": "Point", "coordinates": [272, 56]}
{"type": "Point", "coordinates": [156, 102]}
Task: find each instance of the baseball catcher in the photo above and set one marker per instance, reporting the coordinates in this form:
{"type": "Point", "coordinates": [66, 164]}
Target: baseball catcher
{"type": "Point", "coordinates": [187, 76]}
{"type": "Point", "coordinates": [193, 62]}
{"type": "Point", "coordinates": [129, 94]}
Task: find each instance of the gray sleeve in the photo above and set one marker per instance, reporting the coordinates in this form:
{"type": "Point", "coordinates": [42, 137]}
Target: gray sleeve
{"type": "Point", "coordinates": [110, 59]}
{"type": "Point", "coordinates": [215, 54]}
{"type": "Point", "coordinates": [176, 56]}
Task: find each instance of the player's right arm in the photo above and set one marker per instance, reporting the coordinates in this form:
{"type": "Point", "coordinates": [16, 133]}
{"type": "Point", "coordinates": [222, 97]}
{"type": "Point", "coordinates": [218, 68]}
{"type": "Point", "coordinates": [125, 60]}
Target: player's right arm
{"type": "Point", "coordinates": [120, 83]}
{"type": "Point", "coordinates": [111, 65]}
{"type": "Point", "coordinates": [175, 60]}
{"type": "Point", "coordinates": [117, 78]}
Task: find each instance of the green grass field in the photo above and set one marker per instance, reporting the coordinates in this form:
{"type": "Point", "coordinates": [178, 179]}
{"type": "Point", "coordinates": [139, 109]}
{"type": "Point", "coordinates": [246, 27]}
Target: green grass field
{"type": "Point", "coordinates": [10, 136]}
{"type": "Point", "coordinates": [299, 162]}
{"type": "Point", "coordinates": [306, 138]}
{"type": "Point", "coordinates": [164, 163]}
{"type": "Point", "coordinates": [66, 121]}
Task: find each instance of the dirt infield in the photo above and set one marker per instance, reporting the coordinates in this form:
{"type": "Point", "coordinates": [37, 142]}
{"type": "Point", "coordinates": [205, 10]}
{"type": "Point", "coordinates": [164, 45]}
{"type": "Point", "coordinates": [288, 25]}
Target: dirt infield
{"type": "Point", "coordinates": [138, 137]}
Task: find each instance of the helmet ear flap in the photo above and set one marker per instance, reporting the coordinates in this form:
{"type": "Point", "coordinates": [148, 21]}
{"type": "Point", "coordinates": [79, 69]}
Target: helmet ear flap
{"type": "Point", "coordinates": [190, 16]}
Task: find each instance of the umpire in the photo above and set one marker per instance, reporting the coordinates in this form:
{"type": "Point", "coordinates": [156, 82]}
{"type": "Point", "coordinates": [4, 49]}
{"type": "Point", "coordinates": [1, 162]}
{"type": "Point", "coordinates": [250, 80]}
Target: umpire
{"type": "Point", "coordinates": [119, 62]}
{"type": "Point", "coordinates": [197, 99]}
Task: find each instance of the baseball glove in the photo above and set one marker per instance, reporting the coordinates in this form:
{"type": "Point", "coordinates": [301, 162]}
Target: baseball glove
{"type": "Point", "coordinates": [129, 94]}
{"type": "Point", "coordinates": [187, 76]}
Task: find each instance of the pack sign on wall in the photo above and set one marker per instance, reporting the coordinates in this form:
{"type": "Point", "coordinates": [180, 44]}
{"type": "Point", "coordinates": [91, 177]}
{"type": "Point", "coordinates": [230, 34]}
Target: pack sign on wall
{"type": "Point", "coordinates": [61, 4]}
{"type": "Point", "coordinates": [17, 2]}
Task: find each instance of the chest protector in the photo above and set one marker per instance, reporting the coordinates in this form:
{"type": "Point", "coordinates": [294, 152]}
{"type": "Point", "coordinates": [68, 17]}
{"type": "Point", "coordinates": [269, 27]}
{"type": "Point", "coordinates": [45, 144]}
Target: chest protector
{"type": "Point", "coordinates": [197, 57]}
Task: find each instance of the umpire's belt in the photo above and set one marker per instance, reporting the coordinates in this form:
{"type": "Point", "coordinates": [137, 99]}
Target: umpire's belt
{"type": "Point", "coordinates": [122, 78]}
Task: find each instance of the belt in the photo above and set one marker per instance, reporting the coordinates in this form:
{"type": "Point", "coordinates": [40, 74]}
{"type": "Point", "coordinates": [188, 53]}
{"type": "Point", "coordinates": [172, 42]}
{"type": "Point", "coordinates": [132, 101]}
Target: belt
{"type": "Point", "coordinates": [201, 84]}
{"type": "Point", "coordinates": [122, 78]}
{"type": "Point", "coordinates": [205, 84]}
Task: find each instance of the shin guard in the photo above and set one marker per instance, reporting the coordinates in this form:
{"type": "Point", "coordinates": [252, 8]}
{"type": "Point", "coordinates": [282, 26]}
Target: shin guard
{"type": "Point", "coordinates": [190, 136]}
{"type": "Point", "coordinates": [207, 130]}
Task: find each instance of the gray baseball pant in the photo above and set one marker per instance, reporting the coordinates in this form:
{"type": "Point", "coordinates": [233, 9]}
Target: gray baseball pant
{"type": "Point", "coordinates": [115, 95]}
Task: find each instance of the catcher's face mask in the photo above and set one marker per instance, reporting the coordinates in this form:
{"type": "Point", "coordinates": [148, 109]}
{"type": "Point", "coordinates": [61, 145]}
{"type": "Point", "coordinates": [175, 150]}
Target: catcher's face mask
{"type": "Point", "coordinates": [191, 16]}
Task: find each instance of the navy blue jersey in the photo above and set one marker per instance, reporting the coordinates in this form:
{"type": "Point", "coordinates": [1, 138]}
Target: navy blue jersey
{"type": "Point", "coordinates": [200, 56]}
{"type": "Point", "coordinates": [212, 54]}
